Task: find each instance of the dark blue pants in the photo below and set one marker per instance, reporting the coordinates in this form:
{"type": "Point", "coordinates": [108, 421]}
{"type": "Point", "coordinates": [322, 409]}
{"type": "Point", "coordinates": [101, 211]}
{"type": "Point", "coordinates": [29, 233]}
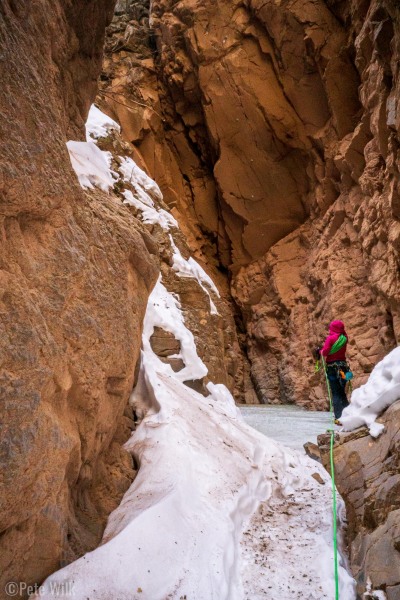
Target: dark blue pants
{"type": "Point", "coordinates": [338, 388]}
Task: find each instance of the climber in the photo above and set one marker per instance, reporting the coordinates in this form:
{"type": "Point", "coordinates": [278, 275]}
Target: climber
{"type": "Point", "coordinates": [338, 371]}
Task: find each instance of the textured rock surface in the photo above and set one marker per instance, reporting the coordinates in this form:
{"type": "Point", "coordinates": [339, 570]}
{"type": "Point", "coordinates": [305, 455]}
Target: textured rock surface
{"type": "Point", "coordinates": [272, 127]}
{"type": "Point", "coordinates": [218, 337]}
{"type": "Point", "coordinates": [75, 275]}
{"type": "Point", "coordinates": [368, 478]}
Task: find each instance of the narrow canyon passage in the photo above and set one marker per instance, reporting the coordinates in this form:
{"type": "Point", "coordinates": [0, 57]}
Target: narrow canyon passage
{"type": "Point", "coordinates": [191, 191]}
{"type": "Point", "coordinates": [216, 509]}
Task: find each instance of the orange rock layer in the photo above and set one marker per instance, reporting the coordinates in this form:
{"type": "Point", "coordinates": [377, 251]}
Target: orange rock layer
{"type": "Point", "coordinates": [272, 128]}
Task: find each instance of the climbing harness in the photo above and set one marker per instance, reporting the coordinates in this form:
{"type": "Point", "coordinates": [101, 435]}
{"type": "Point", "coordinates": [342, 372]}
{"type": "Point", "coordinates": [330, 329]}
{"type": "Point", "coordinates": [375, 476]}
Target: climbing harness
{"type": "Point", "coordinates": [332, 464]}
{"type": "Point", "coordinates": [340, 342]}
{"type": "Point", "coordinates": [343, 372]}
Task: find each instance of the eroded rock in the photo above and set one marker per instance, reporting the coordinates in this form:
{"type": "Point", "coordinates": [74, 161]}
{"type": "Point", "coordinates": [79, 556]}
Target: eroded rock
{"type": "Point", "coordinates": [75, 275]}
{"type": "Point", "coordinates": [272, 129]}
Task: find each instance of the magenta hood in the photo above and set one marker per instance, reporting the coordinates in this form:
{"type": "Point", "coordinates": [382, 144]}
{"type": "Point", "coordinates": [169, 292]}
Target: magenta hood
{"type": "Point", "coordinates": [336, 327]}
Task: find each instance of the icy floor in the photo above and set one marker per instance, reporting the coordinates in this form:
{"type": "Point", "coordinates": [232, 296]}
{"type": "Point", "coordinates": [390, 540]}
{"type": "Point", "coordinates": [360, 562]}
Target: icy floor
{"type": "Point", "coordinates": [288, 424]}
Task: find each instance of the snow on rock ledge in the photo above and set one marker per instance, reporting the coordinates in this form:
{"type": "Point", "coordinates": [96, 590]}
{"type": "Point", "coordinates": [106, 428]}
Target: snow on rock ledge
{"type": "Point", "coordinates": [99, 125]}
{"type": "Point", "coordinates": [144, 189]}
{"type": "Point", "coordinates": [163, 310]}
{"type": "Point", "coordinates": [93, 169]}
{"type": "Point", "coordinates": [371, 399]}
{"type": "Point", "coordinates": [91, 165]}
{"type": "Point", "coordinates": [191, 268]}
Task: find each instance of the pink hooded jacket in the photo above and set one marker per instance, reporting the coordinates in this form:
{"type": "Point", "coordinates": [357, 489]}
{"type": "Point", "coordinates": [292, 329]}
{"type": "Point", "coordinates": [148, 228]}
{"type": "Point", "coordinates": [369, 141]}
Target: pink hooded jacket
{"type": "Point", "coordinates": [336, 329]}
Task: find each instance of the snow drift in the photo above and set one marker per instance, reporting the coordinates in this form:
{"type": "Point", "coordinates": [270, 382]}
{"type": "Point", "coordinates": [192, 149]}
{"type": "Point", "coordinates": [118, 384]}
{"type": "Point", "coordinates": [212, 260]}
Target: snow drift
{"type": "Point", "coordinates": [178, 532]}
{"type": "Point", "coordinates": [372, 398]}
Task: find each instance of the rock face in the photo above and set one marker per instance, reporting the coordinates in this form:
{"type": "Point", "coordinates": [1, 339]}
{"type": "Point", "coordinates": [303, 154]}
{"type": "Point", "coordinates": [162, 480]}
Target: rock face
{"type": "Point", "coordinates": [368, 478]}
{"type": "Point", "coordinates": [273, 128]}
{"type": "Point", "coordinates": [75, 275]}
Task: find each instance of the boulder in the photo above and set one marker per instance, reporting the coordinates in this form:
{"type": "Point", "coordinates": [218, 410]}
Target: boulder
{"type": "Point", "coordinates": [312, 451]}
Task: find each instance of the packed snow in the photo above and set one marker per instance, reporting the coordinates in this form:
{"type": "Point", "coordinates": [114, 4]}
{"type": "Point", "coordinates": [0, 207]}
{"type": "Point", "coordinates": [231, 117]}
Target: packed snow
{"type": "Point", "coordinates": [217, 510]}
{"type": "Point", "coordinates": [191, 268]}
{"type": "Point", "coordinates": [91, 165]}
{"type": "Point", "coordinates": [145, 189]}
{"type": "Point", "coordinates": [134, 175]}
{"type": "Point", "coordinates": [165, 312]}
{"type": "Point", "coordinates": [99, 125]}
{"type": "Point", "coordinates": [369, 400]}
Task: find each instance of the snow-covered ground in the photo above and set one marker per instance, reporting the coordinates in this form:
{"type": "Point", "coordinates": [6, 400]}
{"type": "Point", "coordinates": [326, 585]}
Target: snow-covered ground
{"type": "Point", "coordinates": [217, 510]}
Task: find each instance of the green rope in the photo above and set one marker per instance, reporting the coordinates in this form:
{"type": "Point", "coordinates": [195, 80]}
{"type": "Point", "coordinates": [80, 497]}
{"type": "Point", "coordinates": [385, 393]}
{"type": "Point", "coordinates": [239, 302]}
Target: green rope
{"type": "Point", "coordinates": [332, 463]}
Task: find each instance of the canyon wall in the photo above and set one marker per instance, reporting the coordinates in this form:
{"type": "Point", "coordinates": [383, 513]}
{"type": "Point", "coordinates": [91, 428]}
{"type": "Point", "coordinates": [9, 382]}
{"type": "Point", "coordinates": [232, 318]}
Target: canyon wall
{"type": "Point", "coordinates": [203, 291]}
{"type": "Point", "coordinates": [75, 273]}
{"type": "Point", "coordinates": [272, 129]}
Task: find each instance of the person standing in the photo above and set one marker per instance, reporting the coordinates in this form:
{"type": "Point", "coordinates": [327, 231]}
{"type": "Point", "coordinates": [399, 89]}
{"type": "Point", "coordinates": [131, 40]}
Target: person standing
{"type": "Point", "coordinates": [334, 354]}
